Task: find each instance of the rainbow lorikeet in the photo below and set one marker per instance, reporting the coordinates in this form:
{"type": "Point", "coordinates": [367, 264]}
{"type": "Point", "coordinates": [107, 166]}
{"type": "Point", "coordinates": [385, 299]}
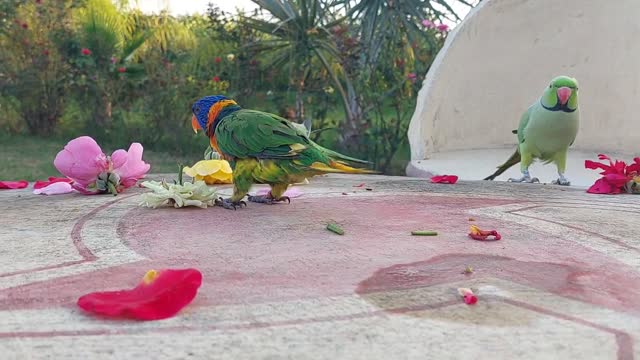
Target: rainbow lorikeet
{"type": "Point", "coordinates": [546, 130]}
{"type": "Point", "coordinates": [263, 148]}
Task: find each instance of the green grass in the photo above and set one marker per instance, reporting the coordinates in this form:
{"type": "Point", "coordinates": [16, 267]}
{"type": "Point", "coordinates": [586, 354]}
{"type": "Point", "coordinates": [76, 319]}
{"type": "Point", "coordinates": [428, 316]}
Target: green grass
{"type": "Point", "coordinates": [31, 158]}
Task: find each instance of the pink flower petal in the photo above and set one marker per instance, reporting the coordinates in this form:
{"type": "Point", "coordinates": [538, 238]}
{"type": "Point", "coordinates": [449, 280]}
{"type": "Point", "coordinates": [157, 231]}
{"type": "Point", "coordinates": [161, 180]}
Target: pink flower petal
{"type": "Point", "coordinates": [44, 183]}
{"type": "Point", "coordinates": [118, 158]}
{"type": "Point", "coordinates": [55, 188]}
{"type": "Point", "coordinates": [133, 168]}
{"type": "Point", "coordinates": [81, 160]}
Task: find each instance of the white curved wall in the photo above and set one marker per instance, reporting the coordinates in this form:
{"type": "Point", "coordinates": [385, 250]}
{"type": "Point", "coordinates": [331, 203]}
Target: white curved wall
{"type": "Point", "coordinates": [499, 60]}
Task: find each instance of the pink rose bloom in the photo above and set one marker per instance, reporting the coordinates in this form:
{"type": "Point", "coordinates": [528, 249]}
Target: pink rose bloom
{"type": "Point", "coordinates": [82, 160]}
{"type": "Point", "coordinates": [129, 165]}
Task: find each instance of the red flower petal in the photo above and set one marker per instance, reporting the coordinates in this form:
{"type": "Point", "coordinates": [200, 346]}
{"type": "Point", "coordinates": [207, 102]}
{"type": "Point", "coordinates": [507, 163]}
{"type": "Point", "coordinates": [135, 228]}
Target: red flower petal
{"type": "Point", "coordinates": [470, 299]}
{"type": "Point", "coordinates": [635, 167]}
{"type": "Point", "coordinates": [445, 179]}
{"type": "Point", "coordinates": [43, 183]}
{"type": "Point", "coordinates": [159, 296]}
{"type": "Point", "coordinates": [602, 186]}
{"type": "Point", "coordinates": [359, 185]}
{"type": "Point", "coordinates": [483, 235]}
{"type": "Point", "coordinates": [20, 184]}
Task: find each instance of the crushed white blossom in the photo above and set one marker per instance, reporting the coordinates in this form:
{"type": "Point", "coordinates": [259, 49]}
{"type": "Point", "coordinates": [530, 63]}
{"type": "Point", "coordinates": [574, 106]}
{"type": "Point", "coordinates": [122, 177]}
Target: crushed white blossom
{"type": "Point", "coordinates": [188, 194]}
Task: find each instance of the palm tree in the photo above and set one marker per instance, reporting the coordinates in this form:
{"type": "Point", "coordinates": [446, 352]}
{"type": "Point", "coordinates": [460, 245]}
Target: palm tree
{"type": "Point", "coordinates": [112, 41]}
{"type": "Point", "coordinates": [298, 35]}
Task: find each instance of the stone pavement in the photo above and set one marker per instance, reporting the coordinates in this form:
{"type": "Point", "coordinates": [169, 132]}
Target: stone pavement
{"type": "Point", "coordinates": [480, 163]}
{"type": "Point", "coordinates": [562, 283]}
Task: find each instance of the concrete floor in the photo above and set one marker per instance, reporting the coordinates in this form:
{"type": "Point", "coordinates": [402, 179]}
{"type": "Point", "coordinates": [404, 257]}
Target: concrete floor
{"type": "Point", "coordinates": [563, 283]}
{"type": "Point", "coordinates": [478, 164]}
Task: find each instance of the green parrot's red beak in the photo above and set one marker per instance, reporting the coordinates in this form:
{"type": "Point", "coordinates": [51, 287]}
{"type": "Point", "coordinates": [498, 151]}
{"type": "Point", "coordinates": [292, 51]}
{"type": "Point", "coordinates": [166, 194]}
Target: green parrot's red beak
{"type": "Point", "coordinates": [564, 93]}
{"type": "Point", "coordinates": [194, 124]}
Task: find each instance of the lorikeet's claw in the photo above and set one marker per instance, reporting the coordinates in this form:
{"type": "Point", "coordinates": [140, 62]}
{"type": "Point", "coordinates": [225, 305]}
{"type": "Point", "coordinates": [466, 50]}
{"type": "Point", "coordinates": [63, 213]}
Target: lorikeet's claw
{"type": "Point", "coordinates": [228, 204]}
{"type": "Point", "coordinates": [268, 199]}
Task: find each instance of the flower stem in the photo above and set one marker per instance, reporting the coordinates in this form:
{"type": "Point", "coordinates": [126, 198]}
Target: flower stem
{"type": "Point", "coordinates": [112, 188]}
{"type": "Point", "coordinates": [180, 168]}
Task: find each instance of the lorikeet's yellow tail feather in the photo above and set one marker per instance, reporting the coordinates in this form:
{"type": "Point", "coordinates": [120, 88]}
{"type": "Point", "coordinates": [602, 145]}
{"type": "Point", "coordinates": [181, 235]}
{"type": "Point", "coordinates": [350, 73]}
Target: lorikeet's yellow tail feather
{"type": "Point", "coordinates": [340, 167]}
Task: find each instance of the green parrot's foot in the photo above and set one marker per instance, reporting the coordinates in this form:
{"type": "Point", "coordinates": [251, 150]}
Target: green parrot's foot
{"type": "Point", "coordinates": [228, 204]}
{"type": "Point", "coordinates": [268, 199]}
{"type": "Point", "coordinates": [525, 179]}
{"type": "Point", "coordinates": [561, 181]}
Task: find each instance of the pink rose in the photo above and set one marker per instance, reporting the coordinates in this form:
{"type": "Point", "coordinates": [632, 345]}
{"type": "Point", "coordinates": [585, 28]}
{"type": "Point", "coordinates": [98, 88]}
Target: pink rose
{"type": "Point", "coordinates": [129, 165]}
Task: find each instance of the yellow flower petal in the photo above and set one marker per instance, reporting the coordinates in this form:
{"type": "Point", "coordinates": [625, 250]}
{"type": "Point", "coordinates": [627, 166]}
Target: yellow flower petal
{"type": "Point", "coordinates": [226, 167]}
{"type": "Point", "coordinates": [189, 171]}
{"type": "Point", "coordinates": [207, 167]}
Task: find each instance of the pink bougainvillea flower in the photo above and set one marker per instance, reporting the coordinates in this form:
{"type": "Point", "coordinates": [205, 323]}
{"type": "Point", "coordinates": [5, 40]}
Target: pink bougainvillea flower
{"type": "Point", "coordinates": [160, 295]}
{"type": "Point", "coordinates": [82, 160]}
{"type": "Point", "coordinates": [615, 176]}
{"type": "Point", "coordinates": [20, 184]}
{"type": "Point", "coordinates": [442, 27]}
{"type": "Point", "coordinates": [428, 24]}
{"type": "Point", "coordinates": [468, 296]}
{"type": "Point", "coordinates": [55, 188]}
{"type": "Point", "coordinates": [483, 235]}
{"type": "Point", "coordinates": [85, 51]}
{"type": "Point", "coordinates": [444, 179]}
{"type": "Point", "coordinates": [129, 166]}
{"type": "Point", "coordinates": [292, 193]}
{"type": "Point", "coordinates": [44, 183]}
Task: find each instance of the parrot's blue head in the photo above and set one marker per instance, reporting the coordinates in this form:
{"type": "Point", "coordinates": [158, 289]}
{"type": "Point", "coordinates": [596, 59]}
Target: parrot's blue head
{"type": "Point", "coordinates": [201, 108]}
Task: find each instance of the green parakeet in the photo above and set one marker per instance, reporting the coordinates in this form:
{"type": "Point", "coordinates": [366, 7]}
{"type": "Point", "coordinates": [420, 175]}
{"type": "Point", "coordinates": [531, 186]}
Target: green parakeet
{"type": "Point", "coordinates": [546, 131]}
{"type": "Point", "coordinates": [264, 148]}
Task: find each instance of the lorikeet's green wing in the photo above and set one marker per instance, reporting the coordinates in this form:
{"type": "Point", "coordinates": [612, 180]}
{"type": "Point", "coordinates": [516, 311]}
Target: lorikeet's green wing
{"type": "Point", "coordinates": [257, 134]}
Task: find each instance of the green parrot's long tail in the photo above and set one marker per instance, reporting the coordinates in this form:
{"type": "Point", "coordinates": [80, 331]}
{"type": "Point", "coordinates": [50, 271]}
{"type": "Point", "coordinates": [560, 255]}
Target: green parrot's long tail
{"type": "Point", "coordinates": [337, 156]}
{"type": "Point", "coordinates": [514, 159]}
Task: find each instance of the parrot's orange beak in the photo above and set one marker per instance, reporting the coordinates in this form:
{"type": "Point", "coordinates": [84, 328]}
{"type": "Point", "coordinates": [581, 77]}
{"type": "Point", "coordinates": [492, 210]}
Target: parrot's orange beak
{"type": "Point", "coordinates": [564, 93]}
{"type": "Point", "coordinates": [194, 124]}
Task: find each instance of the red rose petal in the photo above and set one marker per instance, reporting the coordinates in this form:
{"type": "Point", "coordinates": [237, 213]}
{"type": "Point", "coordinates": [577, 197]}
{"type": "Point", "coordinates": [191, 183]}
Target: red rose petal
{"type": "Point", "coordinates": [162, 298]}
{"type": "Point", "coordinates": [483, 235]}
{"type": "Point", "coordinates": [44, 183]}
{"type": "Point", "coordinates": [444, 179]}
{"type": "Point", "coordinates": [20, 184]}
{"type": "Point", "coordinates": [470, 299]}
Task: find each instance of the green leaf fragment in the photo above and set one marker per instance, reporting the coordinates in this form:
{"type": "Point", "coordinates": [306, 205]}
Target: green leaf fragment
{"type": "Point", "coordinates": [335, 228]}
{"type": "Point", "coordinates": [424, 233]}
